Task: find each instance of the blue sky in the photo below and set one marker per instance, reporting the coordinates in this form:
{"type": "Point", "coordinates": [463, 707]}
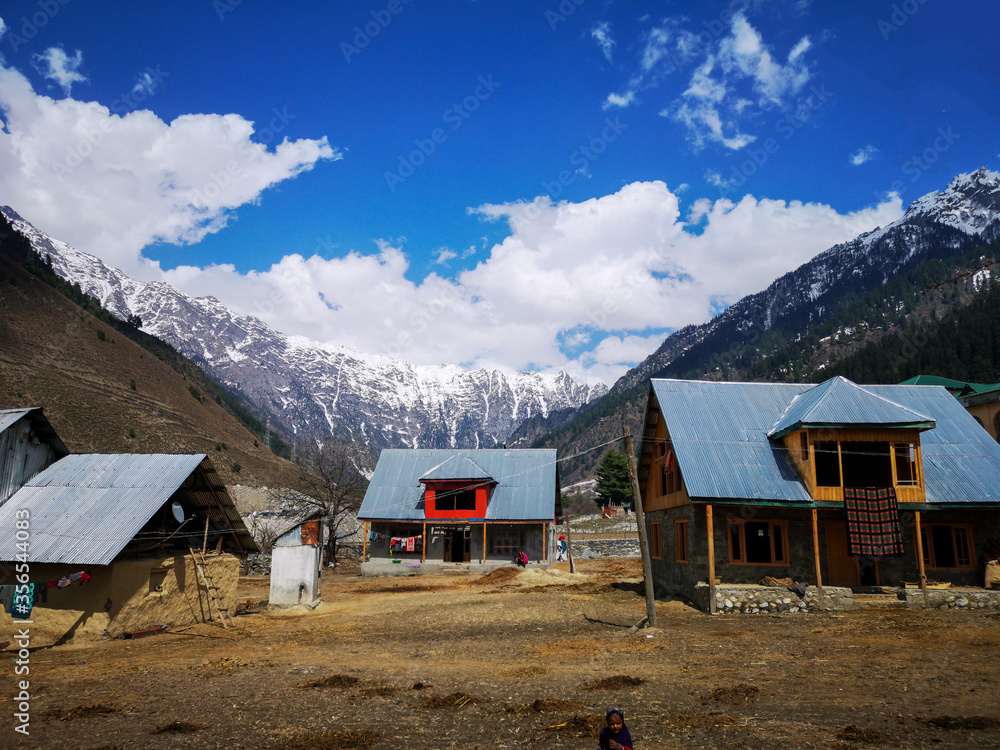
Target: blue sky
{"type": "Point", "coordinates": [523, 185]}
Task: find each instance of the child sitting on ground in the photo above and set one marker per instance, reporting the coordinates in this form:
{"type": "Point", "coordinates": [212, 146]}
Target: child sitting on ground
{"type": "Point", "coordinates": [615, 736]}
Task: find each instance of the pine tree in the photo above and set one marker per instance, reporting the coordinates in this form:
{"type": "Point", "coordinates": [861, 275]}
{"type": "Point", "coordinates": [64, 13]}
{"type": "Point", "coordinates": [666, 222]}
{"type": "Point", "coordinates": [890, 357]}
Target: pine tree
{"type": "Point", "coordinates": [614, 484]}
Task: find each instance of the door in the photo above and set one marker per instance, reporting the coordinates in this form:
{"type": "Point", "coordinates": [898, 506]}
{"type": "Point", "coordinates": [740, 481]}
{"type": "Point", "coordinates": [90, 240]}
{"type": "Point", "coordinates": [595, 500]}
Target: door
{"type": "Point", "coordinates": [841, 568]}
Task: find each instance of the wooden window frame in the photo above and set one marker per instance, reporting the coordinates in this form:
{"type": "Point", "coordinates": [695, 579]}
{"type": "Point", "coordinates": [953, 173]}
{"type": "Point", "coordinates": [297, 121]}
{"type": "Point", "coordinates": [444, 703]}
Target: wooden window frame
{"type": "Point", "coordinates": [682, 552]}
{"type": "Point", "coordinates": [772, 523]}
{"type": "Point", "coordinates": [911, 460]}
{"type": "Point", "coordinates": [655, 543]}
{"type": "Point", "coordinates": [965, 529]}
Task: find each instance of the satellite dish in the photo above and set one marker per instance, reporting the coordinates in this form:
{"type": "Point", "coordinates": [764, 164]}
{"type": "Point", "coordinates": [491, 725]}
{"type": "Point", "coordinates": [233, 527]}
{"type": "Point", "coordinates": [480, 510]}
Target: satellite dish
{"type": "Point", "coordinates": [178, 511]}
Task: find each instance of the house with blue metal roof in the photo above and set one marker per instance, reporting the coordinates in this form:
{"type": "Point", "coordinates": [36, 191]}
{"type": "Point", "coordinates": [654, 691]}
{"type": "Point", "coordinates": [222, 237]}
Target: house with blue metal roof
{"type": "Point", "coordinates": [425, 509]}
{"type": "Point", "coordinates": [836, 485]}
{"type": "Point", "coordinates": [104, 541]}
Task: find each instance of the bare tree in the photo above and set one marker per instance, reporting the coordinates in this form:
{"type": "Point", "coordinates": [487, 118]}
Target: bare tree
{"type": "Point", "coordinates": [333, 477]}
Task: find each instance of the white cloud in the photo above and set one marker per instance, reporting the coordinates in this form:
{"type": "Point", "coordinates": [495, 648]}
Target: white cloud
{"type": "Point", "coordinates": [113, 184]}
{"type": "Point", "coordinates": [444, 254]}
{"type": "Point", "coordinates": [735, 76]}
{"type": "Point", "coordinates": [54, 63]}
{"type": "Point", "coordinates": [620, 271]}
{"type": "Point", "coordinates": [602, 33]}
{"type": "Point", "coordinates": [863, 155]}
{"type": "Point", "coordinates": [145, 84]}
{"type": "Point", "coordinates": [3, 28]}
{"type": "Point", "coordinates": [616, 100]}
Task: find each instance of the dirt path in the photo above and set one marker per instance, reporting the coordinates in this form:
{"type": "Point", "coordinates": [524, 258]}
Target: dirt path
{"type": "Point", "coordinates": [513, 661]}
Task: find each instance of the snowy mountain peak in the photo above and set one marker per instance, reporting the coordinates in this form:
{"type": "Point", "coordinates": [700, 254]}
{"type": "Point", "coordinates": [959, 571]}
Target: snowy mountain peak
{"type": "Point", "coordinates": [970, 203]}
{"type": "Point", "coordinates": [314, 388]}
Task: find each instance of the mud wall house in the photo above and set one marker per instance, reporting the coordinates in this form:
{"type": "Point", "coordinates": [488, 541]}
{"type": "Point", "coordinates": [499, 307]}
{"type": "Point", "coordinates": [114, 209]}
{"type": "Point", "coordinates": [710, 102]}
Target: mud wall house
{"type": "Point", "coordinates": [108, 544]}
{"type": "Point", "coordinates": [296, 562]}
{"type": "Point", "coordinates": [433, 509]}
{"type": "Point", "coordinates": [756, 479]}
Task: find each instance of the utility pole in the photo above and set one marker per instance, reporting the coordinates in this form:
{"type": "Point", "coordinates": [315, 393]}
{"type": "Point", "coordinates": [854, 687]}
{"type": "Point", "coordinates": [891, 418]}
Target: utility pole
{"type": "Point", "coordinates": [640, 520]}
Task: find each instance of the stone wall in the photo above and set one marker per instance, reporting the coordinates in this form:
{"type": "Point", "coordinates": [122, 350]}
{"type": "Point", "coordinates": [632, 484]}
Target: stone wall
{"type": "Point", "coordinates": [582, 549]}
{"type": "Point", "coordinates": [764, 600]}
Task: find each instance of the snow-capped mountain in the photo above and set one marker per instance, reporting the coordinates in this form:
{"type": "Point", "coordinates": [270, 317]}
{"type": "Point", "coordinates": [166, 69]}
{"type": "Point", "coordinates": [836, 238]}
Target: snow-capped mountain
{"type": "Point", "coordinates": [938, 225]}
{"type": "Point", "coordinates": [314, 388]}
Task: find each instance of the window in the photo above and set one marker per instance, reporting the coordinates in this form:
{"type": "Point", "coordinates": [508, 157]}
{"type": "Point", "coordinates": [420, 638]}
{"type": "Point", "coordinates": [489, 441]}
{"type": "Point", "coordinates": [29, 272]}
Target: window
{"type": "Point", "coordinates": [996, 426]}
{"type": "Point", "coordinates": [947, 545]}
{"type": "Point", "coordinates": [505, 544]}
{"type": "Point", "coordinates": [654, 540]}
{"type": "Point", "coordinates": [455, 499]}
{"type": "Point", "coordinates": [906, 463]}
{"type": "Point", "coordinates": [671, 474]}
{"type": "Point", "coordinates": [758, 542]}
{"type": "Point", "coordinates": [681, 541]}
{"type": "Point", "coordinates": [866, 464]}
{"type": "Point", "coordinates": [827, 463]}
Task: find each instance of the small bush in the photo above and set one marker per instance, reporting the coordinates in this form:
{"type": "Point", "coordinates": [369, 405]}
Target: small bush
{"type": "Point", "coordinates": [131, 432]}
{"type": "Point", "coordinates": [131, 384]}
{"type": "Point", "coordinates": [100, 335]}
{"type": "Point", "coordinates": [237, 468]}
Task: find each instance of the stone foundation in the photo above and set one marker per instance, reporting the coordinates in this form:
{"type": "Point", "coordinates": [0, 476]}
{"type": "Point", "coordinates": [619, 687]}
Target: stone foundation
{"type": "Point", "coordinates": [753, 600]}
{"type": "Point", "coordinates": [951, 599]}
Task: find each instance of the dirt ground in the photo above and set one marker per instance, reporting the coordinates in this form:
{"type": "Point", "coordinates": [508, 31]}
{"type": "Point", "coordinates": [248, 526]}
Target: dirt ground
{"type": "Point", "coordinates": [517, 660]}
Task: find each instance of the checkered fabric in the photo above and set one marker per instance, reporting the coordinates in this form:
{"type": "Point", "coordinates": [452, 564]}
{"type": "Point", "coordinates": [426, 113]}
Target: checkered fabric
{"type": "Point", "coordinates": [873, 522]}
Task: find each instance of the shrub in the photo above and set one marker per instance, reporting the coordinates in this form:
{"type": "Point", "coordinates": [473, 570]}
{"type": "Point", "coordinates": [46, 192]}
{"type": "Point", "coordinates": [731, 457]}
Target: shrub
{"type": "Point", "coordinates": [237, 468]}
{"type": "Point", "coordinates": [100, 335]}
{"type": "Point", "coordinates": [131, 384]}
{"type": "Point", "coordinates": [131, 432]}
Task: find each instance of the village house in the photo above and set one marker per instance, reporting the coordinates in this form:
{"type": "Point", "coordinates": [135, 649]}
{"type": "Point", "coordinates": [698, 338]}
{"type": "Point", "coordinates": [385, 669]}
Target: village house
{"type": "Point", "coordinates": [112, 543]}
{"type": "Point", "coordinates": [832, 485]}
{"type": "Point", "coordinates": [459, 509]}
{"type": "Point", "coordinates": [981, 400]}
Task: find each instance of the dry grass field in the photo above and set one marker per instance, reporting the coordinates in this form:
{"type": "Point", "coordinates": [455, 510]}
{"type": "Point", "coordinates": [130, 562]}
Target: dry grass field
{"type": "Point", "coordinates": [515, 660]}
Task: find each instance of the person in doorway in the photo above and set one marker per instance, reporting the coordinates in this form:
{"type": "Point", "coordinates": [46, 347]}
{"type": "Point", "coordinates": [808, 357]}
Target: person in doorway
{"type": "Point", "coordinates": [562, 550]}
{"type": "Point", "coordinates": [615, 736]}
{"type": "Point", "coordinates": [521, 558]}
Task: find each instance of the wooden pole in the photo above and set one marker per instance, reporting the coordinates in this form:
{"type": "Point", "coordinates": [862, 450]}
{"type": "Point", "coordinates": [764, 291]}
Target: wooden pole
{"type": "Point", "coordinates": [920, 558]}
{"type": "Point", "coordinates": [712, 606]}
{"type": "Point", "coordinates": [569, 543]}
{"type": "Point", "coordinates": [640, 518]}
{"type": "Point", "coordinates": [423, 545]}
{"type": "Point", "coordinates": [204, 543]}
{"type": "Point", "coordinates": [819, 573]}
{"type": "Point", "coordinates": [545, 543]}
{"type": "Point", "coordinates": [484, 542]}
{"type": "Point", "coordinates": [364, 545]}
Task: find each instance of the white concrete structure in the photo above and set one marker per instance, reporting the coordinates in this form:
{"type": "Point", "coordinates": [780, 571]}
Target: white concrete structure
{"type": "Point", "coordinates": [295, 565]}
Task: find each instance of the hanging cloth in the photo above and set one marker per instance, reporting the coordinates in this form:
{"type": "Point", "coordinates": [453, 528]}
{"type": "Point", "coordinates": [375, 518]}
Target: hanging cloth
{"type": "Point", "coordinates": [873, 528]}
{"type": "Point", "coordinates": [24, 600]}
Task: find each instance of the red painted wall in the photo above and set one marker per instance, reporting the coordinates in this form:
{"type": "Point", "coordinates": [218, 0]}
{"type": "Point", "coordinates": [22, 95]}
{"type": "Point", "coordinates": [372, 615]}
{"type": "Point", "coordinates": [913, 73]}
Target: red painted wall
{"type": "Point", "coordinates": [431, 511]}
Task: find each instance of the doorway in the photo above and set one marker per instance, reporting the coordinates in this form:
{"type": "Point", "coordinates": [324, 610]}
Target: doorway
{"type": "Point", "coordinates": [842, 569]}
{"type": "Point", "coordinates": [458, 546]}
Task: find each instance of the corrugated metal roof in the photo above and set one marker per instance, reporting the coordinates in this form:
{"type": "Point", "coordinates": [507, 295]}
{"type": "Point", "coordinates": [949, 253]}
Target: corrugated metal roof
{"type": "Point", "coordinates": [526, 490]}
{"type": "Point", "coordinates": [28, 444]}
{"type": "Point", "coordinates": [456, 467]}
{"type": "Point", "coordinates": [720, 436]}
{"type": "Point", "coordinates": [85, 508]}
{"type": "Point", "coordinates": [840, 403]}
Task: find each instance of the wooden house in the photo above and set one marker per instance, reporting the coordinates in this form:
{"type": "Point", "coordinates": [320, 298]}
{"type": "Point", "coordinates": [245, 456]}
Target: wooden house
{"type": "Point", "coordinates": [746, 480]}
{"type": "Point", "coordinates": [425, 509]}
